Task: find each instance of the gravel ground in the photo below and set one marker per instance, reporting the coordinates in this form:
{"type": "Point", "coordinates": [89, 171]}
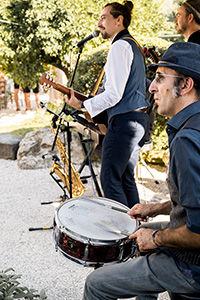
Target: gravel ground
{"type": "Point", "coordinates": [32, 253]}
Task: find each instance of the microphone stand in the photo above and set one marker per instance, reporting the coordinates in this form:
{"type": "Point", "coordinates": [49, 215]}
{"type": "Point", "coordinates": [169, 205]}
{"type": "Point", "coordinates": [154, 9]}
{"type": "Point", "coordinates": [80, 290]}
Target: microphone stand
{"type": "Point", "coordinates": [67, 112]}
{"type": "Point", "coordinates": [77, 61]}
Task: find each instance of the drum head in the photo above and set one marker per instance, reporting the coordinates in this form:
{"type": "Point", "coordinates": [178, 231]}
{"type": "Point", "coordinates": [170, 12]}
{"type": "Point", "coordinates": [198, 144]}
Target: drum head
{"type": "Point", "coordinates": [84, 216]}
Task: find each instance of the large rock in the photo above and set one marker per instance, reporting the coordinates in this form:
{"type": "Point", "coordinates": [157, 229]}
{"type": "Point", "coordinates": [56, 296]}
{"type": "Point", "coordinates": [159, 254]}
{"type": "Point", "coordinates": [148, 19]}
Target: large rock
{"type": "Point", "coordinates": [9, 145]}
{"type": "Point", "coordinates": [35, 149]}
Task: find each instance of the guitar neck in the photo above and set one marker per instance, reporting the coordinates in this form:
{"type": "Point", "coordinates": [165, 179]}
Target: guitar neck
{"type": "Point", "coordinates": [48, 82]}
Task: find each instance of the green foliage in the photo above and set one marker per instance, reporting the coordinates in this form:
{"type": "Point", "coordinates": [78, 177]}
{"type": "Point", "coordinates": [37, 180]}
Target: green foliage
{"type": "Point", "coordinates": [41, 33]}
{"type": "Point", "coordinates": [89, 69]}
{"type": "Point", "coordinates": [10, 288]}
{"type": "Point", "coordinates": [35, 37]}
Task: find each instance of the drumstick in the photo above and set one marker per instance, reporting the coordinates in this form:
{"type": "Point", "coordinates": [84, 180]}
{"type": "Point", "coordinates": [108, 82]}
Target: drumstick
{"type": "Point", "coordinates": [125, 211]}
{"type": "Point", "coordinates": [112, 228]}
{"type": "Point", "coordinates": [114, 208]}
{"type": "Point", "coordinates": [107, 206]}
{"type": "Point", "coordinates": [118, 209]}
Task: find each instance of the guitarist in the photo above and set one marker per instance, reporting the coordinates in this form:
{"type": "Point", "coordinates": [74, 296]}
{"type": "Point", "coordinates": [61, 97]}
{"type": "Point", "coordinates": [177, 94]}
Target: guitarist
{"type": "Point", "coordinates": [124, 102]}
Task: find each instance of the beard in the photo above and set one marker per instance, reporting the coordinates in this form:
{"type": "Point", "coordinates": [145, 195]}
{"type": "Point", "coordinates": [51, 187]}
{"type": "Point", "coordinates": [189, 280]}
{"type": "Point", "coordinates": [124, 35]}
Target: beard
{"type": "Point", "coordinates": [104, 35]}
{"type": "Point", "coordinates": [181, 30]}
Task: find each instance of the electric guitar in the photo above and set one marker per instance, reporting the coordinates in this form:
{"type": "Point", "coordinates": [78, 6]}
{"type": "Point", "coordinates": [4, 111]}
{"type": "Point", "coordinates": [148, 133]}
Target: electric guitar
{"type": "Point", "coordinates": [47, 81]}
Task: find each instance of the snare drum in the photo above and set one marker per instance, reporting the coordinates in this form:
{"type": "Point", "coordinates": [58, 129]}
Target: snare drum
{"type": "Point", "coordinates": [79, 234]}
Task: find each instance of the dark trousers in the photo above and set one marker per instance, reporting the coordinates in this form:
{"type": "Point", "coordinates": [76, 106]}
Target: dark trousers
{"type": "Point", "coordinates": [124, 137]}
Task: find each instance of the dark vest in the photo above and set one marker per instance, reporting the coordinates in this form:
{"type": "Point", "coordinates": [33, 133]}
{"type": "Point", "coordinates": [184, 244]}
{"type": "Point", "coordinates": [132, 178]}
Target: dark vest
{"type": "Point", "coordinates": [178, 215]}
{"type": "Point", "coordinates": [134, 96]}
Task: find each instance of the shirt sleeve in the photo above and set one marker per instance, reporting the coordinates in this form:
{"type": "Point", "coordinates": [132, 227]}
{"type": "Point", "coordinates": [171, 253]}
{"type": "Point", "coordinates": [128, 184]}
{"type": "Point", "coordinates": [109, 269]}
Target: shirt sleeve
{"type": "Point", "coordinates": [186, 174]}
{"type": "Point", "coordinates": [117, 70]}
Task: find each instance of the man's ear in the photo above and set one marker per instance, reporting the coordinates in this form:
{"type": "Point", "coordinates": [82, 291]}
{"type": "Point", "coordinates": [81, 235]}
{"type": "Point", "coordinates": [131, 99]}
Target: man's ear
{"type": "Point", "coordinates": [120, 20]}
{"type": "Point", "coordinates": [190, 18]}
{"type": "Point", "coordinates": [186, 85]}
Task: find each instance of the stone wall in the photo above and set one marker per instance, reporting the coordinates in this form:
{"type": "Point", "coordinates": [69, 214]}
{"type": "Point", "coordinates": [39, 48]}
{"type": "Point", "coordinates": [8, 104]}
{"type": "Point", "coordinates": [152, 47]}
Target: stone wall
{"type": "Point", "coordinates": [35, 149]}
{"type": "Point", "coordinates": [9, 145]}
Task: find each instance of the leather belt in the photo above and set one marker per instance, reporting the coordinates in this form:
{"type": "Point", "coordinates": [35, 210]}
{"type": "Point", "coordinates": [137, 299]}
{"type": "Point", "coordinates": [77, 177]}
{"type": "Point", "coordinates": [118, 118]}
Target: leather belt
{"type": "Point", "coordinates": [141, 110]}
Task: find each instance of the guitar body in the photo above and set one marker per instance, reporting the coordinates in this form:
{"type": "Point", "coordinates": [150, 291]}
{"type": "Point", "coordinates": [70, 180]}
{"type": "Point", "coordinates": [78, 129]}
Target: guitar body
{"type": "Point", "coordinates": [150, 52]}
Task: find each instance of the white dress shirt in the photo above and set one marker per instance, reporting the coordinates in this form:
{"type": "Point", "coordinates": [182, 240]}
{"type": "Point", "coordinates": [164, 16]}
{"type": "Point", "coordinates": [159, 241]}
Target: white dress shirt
{"type": "Point", "coordinates": [117, 70]}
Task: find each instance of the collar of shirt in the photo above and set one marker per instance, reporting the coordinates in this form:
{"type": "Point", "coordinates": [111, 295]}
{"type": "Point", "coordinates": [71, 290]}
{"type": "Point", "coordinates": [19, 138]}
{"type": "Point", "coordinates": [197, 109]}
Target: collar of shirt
{"type": "Point", "coordinates": [176, 122]}
{"type": "Point", "coordinates": [119, 34]}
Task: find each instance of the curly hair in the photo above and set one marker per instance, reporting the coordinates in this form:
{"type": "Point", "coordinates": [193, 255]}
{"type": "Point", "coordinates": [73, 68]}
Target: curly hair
{"type": "Point", "coordinates": [124, 9]}
{"type": "Point", "coordinates": [178, 81]}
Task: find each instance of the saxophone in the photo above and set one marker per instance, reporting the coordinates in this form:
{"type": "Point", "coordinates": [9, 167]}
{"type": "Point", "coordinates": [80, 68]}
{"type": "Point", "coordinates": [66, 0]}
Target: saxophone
{"type": "Point", "coordinates": [78, 188]}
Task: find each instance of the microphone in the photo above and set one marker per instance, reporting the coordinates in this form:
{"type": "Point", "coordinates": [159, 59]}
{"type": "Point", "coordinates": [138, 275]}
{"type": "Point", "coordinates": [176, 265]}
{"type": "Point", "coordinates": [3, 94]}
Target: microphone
{"type": "Point", "coordinates": [89, 37]}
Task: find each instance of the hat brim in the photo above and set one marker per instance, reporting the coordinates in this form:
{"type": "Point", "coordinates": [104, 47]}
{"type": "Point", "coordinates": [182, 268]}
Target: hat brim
{"type": "Point", "coordinates": [186, 71]}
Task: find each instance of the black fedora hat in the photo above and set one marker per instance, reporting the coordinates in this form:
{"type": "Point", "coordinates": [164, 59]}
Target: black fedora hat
{"type": "Point", "coordinates": [183, 57]}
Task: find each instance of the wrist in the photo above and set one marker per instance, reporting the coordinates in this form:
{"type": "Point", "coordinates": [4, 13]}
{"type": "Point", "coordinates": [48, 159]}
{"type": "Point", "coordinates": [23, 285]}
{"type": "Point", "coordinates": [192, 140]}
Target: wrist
{"type": "Point", "coordinates": [83, 107]}
{"type": "Point", "coordinates": [154, 237]}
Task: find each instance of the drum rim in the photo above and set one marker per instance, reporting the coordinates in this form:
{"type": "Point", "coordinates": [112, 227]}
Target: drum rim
{"type": "Point", "coordinates": [85, 239]}
{"type": "Point", "coordinates": [94, 197]}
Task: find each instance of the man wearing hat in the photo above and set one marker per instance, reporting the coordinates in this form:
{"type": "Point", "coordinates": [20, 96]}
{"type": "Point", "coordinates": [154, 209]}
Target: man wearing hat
{"type": "Point", "coordinates": [188, 20]}
{"type": "Point", "coordinates": [171, 252]}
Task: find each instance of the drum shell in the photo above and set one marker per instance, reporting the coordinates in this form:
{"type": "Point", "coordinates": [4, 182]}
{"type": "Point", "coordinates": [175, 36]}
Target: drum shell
{"type": "Point", "coordinates": [97, 252]}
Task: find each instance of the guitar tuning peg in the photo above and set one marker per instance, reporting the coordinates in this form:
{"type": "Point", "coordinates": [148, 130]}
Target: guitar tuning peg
{"type": "Point", "coordinates": [47, 76]}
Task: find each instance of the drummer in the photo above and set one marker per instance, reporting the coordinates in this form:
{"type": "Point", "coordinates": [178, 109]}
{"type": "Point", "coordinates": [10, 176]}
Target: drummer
{"type": "Point", "coordinates": [173, 263]}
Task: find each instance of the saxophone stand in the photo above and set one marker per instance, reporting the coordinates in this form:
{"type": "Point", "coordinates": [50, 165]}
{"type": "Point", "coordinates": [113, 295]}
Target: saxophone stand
{"type": "Point", "coordinates": [63, 128]}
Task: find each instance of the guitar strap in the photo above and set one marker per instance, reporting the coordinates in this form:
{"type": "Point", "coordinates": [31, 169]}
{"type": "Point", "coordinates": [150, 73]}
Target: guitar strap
{"type": "Point", "coordinates": [96, 86]}
{"type": "Point", "coordinates": [131, 38]}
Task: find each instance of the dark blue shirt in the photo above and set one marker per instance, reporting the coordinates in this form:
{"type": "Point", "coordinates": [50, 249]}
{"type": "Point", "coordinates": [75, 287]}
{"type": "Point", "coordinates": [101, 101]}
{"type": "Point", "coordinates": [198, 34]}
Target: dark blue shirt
{"type": "Point", "coordinates": [184, 146]}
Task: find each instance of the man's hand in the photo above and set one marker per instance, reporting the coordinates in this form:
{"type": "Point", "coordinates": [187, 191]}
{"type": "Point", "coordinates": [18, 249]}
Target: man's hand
{"type": "Point", "coordinates": [139, 211]}
{"type": "Point", "coordinates": [88, 117]}
{"type": "Point", "coordinates": [72, 100]}
{"type": "Point", "coordinates": [144, 239]}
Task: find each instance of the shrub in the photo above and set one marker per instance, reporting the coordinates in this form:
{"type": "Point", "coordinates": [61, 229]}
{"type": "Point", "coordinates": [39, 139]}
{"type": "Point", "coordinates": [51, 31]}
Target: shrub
{"type": "Point", "coordinates": [10, 288]}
